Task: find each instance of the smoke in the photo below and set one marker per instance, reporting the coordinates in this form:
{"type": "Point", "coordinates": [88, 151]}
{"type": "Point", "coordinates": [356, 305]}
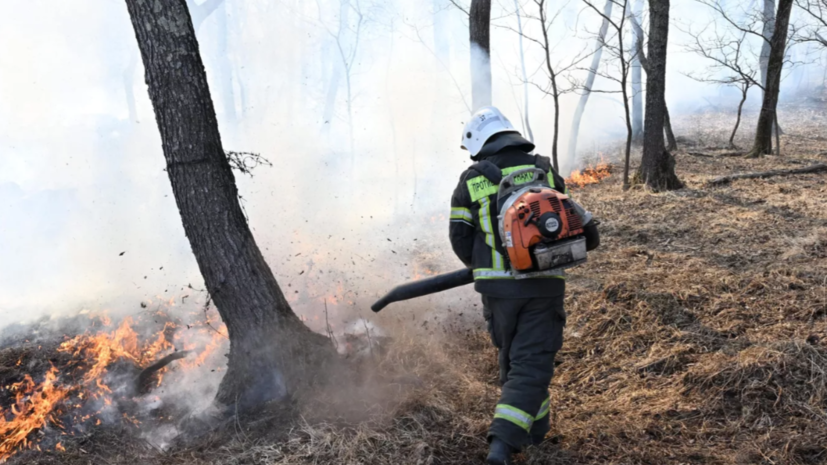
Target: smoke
{"type": "Point", "coordinates": [88, 218]}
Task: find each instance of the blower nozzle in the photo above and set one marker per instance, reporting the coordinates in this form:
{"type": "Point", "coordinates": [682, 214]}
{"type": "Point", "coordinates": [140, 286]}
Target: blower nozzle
{"type": "Point", "coordinates": [426, 286]}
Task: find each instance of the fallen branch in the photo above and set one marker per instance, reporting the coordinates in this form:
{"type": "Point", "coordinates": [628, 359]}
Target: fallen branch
{"type": "Point", "coordinates": [699, 154]}
{"type": "Point", "coordinates": [818, 168]}
{"type": "Point", "coordinates": [717, 155]}
{"type": "Point", "coordinates": [147, 373]}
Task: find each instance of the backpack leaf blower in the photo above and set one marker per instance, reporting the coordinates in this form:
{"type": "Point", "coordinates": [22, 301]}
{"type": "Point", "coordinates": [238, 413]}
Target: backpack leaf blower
{"type": "Point", "coordinates": [542, 231]}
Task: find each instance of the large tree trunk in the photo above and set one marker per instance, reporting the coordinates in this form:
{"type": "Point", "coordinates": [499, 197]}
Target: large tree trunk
{"type": "Point", "coordinates": [657, 168]}
{"type": "Point", "coordinates": [480, 31]}
{"type": "Point", "coordinates": [637, 84]}
{"type": "Point", "coordinates": [587, 87]}
{"type": "Point", "coordinates": [271, 350]}
{"type": "Point", "coordinates": [763, 133]}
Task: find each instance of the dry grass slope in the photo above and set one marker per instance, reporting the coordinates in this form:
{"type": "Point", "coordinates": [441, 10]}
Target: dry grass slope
{"type": "Point", "coordinates": [697, 334]}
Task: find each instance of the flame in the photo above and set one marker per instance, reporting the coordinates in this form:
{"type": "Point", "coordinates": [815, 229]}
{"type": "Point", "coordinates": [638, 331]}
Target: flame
{"type": "Point", "coordinates": [592, 174]}
{"type": "Point", "coordinates": [84, 394]}
{"type": "Point", "coordinates": [33, 407]}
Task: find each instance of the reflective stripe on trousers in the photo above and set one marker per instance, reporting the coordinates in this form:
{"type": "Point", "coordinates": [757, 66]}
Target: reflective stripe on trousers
{"type": "Point", "coordinates": [519, 417]}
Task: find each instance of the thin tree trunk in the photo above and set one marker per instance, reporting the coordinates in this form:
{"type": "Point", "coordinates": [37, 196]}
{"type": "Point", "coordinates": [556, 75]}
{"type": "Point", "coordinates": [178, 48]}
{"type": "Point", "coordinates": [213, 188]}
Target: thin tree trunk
{"type": "Point", "coordinates": [553, 77]}
{"type": "Point", "coordinates": [526, 120]}
{"type": "Point", "coordinates": [744, 91]}
{"type": "Point", "coordinates": [272, 353]}
{"type": "Point", "coordinates": [339, 67]}
{"type": "Point", "coordinates": [587, 88]}
{"type": "Point", "coordinates": [764, 131]}
{"type": "Point", "coordinates": [480, 34]}
{"type": "Point", "coordinates": [392, 121]}
{"type": "Point", "coordinates": [768, 19]}
{"type": "Point", "coordinates": [657, 167]}
{"type": "Point", "coordinates": [637, 84]}
{"type": "Point", "coordinates": [626, 111]}
{"type": "Point", "coordinates": [333, 85]}
{"type": "Point", "coordinates": [672, 142]}
{"type": "Point", "coordinates": [777, 136]}
{"type": "Point", "coordinates": [624, 80]}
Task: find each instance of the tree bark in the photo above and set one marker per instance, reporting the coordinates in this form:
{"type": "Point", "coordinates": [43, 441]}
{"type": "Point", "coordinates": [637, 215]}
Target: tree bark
{"type": "Point", "coordinates": [480, 31]}
{"type": "Point", "coordinates": [272, 353]}
{"type": "Point", "coordinates": [764, 131]}
{"type": "Point", "coordinates": [587, 87]}
{"type": "Point", "coordinates": [637, 84]}
{"type": "Point", "coordinates": [671, 141]}
{"type": "Point", "coordinates": [657, 168]}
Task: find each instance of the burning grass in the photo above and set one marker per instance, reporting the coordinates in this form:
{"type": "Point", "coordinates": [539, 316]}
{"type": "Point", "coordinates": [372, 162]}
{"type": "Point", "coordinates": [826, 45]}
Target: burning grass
{"type": "Point", "coordinates": [695, 335]}
{"type": "Point", "coordinates": [591, 174]}
{"type": "Point", "coordinates": [96, 377]}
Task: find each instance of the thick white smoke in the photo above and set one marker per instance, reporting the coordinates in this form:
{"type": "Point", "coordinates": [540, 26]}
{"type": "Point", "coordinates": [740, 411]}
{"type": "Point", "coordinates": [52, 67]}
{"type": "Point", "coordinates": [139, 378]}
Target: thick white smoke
{"type": "Point", "coordinates": [359, 111]}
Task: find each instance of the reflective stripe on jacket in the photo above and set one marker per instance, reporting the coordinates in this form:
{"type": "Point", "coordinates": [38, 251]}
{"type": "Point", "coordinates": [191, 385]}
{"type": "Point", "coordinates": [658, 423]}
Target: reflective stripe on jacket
{"type": "Point", "coordinates": [474, 235]}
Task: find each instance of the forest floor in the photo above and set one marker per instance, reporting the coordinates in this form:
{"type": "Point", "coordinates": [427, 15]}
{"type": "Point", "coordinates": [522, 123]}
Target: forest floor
{"type": "Point", "coordinates": [697, 333]}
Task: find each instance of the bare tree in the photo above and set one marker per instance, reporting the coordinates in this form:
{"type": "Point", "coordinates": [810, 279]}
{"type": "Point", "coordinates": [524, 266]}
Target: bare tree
{"type": "Point", "coordinates": [756, 24]}
{"type": "Point", "coordinates": [730, 64]}
{"type": "Point", "coordinates": [657, 167]}
{"type": "Point", "coordinates": [637, 84]}
{"type": "Point", "coordinates": [272, 353]}
{"type": "Point", "coordinates": [599, 41]}
{"type": "Point", "coordinates": [767, 117]}
{"type": "Point", "coordinates": [623, 58]}
{"type": "Point", "coordinates": [479, 26]}
{"type": "Point", "coordinates": [816, 11]}
{"type": "Point", "coordinates": [671, 141]}
{"type": "Point", "coordinates": [346, 38]}
{"type": "Point", "coordinates": [552, 87]}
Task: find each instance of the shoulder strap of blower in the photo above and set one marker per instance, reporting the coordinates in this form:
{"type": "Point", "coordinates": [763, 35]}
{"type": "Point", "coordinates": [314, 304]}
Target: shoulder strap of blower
{"type": "Point", "coordinates": [493, 173]}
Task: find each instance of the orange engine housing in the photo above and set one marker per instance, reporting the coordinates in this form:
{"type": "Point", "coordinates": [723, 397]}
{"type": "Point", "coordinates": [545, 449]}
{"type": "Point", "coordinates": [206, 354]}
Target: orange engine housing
{"type": "Point", "coordinates": [519, 222]}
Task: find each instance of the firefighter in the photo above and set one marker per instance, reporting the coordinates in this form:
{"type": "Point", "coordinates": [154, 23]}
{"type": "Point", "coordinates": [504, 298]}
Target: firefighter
{"type": "Point", "coordinates": [525, 317]}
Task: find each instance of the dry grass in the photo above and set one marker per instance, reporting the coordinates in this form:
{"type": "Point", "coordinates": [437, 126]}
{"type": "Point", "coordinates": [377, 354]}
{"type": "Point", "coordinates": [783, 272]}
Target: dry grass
{"type": "Point", "coordinates": [696, 334]}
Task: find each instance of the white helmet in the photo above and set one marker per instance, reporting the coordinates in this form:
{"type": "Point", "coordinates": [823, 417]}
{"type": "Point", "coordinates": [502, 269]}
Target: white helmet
{"type": "Point", "coordinates": [486, 122]}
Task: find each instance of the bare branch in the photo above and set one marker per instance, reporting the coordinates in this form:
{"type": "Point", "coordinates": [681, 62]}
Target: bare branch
{"type": "Point", "coordinates": [460, 7]}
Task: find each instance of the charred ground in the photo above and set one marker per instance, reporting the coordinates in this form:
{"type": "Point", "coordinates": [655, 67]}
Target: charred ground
{"type": "Point", "coordinates": [696, 334]}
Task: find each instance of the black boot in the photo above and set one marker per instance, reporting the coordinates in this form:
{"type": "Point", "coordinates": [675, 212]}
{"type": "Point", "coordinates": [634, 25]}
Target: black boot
{"type": "Point", "coordinates": [499, 453]}
{"type": "Point", "coordinates": [537, 439]}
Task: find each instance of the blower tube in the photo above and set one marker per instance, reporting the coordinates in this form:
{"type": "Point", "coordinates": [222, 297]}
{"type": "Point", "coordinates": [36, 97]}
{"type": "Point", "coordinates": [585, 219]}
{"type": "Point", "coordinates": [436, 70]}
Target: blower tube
{"type": "Point", "coordinates": [432, 285]}
{"type": "Point", "coordinates": [458, 278]}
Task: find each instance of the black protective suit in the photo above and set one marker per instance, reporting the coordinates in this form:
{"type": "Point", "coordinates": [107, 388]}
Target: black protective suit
{"type": "Point", "coordinates": [525, 317]}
